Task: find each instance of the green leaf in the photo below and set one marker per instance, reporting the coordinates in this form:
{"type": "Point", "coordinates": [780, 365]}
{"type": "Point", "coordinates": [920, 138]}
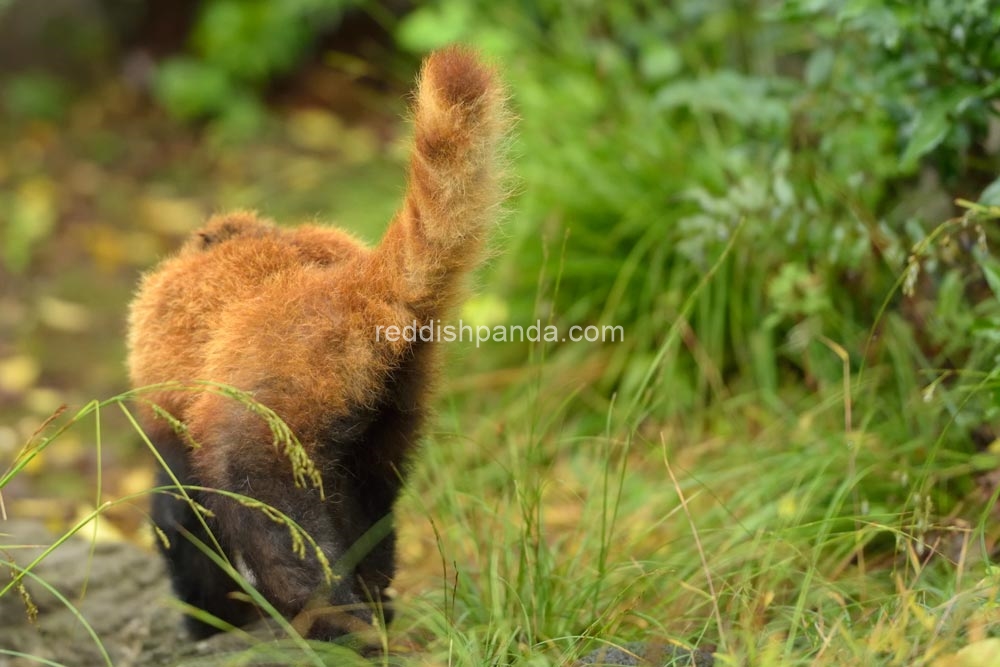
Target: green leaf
{"type": "Point", "coordinates": [747, 100]}
{"type": "Point", "coordinates": [660, 62]}
{"type": "Point", "coordinates": [250, 40]}
{"type": "Point", "coordinates": [991, 195]}
{"type": "Point", "coordinates": [433, 26]}
{"type": "Point", "coordinates": [819, 67]}
{"type": "Point", "coordinates": [930, 129]}
{"type": "Point", "coordinates": [190, 89]}
{"type": "Point", "coordinates": [35, 96]}
{"type": "Point", "coordinates": [990, 273]}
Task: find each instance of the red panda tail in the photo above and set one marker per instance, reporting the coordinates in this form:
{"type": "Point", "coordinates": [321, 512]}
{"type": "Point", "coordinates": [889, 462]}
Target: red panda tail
{"type": "Point", "coordinates": [455, 179]}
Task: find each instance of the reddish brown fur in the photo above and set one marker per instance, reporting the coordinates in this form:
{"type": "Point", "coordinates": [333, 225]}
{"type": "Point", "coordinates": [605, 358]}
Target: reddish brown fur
{"type": "Point", "coordinates": [290, 315]}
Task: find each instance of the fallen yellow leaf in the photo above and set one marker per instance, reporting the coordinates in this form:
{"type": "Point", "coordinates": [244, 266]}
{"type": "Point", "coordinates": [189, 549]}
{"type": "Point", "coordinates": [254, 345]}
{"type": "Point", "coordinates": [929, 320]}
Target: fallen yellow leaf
{"type": "Point", "coordinates": [18, 373]}
{"type": "Point", "coordinates": [63, 315]}
{"type": "Point", "coordinates": [315, 130]}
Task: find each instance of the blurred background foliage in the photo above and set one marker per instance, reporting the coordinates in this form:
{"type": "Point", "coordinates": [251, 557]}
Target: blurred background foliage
{"type": "Point", "coordinates": [754, 190]}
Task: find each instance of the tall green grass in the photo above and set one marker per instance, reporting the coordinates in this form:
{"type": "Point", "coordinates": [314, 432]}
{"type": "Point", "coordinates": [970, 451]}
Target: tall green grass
{"type": "Point", "coordinates": [779, 537]}
{"type": "Point", "coordinates": [797, 541]}
{"type": "Point", "coordinates": [739, 191]}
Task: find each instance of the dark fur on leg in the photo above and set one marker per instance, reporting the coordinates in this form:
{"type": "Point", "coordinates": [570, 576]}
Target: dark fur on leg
{"type": "Point", "coordinates": [358, 544]}
{"type": "Point", "coordinates": [196, 579]}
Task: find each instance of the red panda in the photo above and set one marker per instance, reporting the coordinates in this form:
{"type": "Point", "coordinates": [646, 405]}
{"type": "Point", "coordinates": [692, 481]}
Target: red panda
{"type": "Point", "coordinates": [290, 316]}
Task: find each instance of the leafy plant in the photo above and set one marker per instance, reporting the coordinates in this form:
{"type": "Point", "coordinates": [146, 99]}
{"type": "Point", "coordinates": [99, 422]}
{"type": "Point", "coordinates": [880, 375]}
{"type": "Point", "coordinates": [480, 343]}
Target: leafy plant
{"type": "Point", "coordinates": [237, 47]}
{"type": "Point", "coordinates": [742, 186]}
{"type": "Point", "coordinates": [646, 140]}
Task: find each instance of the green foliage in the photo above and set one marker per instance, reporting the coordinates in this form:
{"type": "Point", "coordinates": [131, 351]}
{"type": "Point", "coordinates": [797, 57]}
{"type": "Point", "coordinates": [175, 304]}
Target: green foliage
{"type": "Point", "coordinates": [931, 65]}
{"type": "Point", "coordinates": [34, 95]}
{"type": "Point", "coordinates": [650, 132]}
{"type": "Point", "coordinates": [237, 47]}
{"type": "Point", "coordinates": [763, 196]}
{"type": "Point", "coordinates": [191, 89]}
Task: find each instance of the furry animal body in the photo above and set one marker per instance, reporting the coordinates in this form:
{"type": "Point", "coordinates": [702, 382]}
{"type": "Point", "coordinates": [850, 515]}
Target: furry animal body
{"type": "Point", "coordinates": [289, 316]}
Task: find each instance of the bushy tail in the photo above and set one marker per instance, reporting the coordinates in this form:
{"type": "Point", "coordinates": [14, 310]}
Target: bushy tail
{"type": "Point", "coordinates": [455, 180]}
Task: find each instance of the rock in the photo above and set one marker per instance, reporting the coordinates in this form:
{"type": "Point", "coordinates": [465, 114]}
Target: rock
{"type": "Point", "coordinates": [118, 589]}
{"type": "Point", "coordinates": [127, 602]}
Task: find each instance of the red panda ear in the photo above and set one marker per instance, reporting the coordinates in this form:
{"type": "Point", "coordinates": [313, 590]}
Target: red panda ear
{"type": "Point", "coordinates": [224, 227]}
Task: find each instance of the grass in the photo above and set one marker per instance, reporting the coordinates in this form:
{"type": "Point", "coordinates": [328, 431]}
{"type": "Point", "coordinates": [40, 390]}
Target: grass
{"type": "Point", "coordinates": [547, 544]}
{"type": "Point", "coordinates": [773, 537]}
{"type": "Point", "coordinates": [803, 527]}
{"type": "Point", "coordinates": [777, 525]}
